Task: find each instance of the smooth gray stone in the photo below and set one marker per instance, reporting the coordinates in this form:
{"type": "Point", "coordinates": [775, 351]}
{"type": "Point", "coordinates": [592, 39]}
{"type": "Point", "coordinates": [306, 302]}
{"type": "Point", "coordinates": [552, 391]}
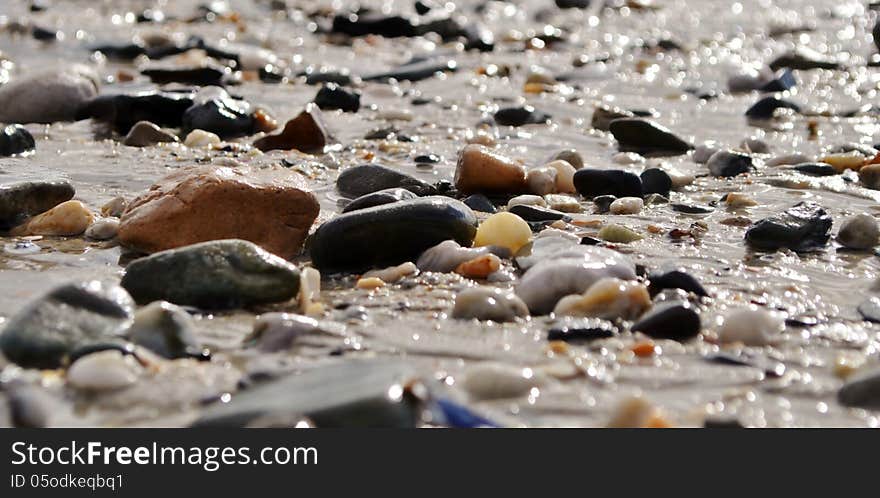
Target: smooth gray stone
{"type": "Point", "coordinates": [72, 316]}
{"type": "Point", "coordinates": [218, 274]}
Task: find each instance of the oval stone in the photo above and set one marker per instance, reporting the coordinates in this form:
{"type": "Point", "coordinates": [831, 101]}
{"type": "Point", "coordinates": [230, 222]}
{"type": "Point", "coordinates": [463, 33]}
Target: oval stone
{"type": "Point", "coordinates": [390, 234]}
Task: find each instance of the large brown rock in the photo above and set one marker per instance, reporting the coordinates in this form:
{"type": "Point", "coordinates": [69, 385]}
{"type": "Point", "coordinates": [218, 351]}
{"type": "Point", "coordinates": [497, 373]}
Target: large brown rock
{"type": "Point", "coordinates": [270, 208]}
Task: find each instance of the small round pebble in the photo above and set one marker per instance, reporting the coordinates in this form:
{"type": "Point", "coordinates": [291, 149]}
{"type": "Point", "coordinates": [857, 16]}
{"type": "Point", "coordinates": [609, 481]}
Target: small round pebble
{"type": "Point", "coordinates": [627, 205]}
{"type": "Point", "coordinates": [859, 232]}
{"type": "Point", "coordinates": [489, 303]}
{"type": "Point", "coordinates": [751, 326]}
{"type": "Point", "coordinates": [505, 230]}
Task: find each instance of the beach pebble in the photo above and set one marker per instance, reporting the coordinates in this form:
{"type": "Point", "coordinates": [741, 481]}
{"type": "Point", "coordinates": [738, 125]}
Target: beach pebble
{"type": "Point", "coordinates": [369, 283]}
{"type": "Point", "coordinates": [48, 96]}
{"type": "Point", "coordinates": [497, 381]}
{"type": "Point", "coordinates": [104, 371]}
{"type": "Point", "coordinates": [166, 330]}
{"type": "Point", "coordinates": [595, 182]}
{"type": "Point", "coordinates": [767, 107]}
{"type": "Point", "coordinates": [66, 219]}
{"type": "Point", "coordinates": [844, 161]}
{"type": "Point", "coordinates": [114, 207]}
{"type": "Point", "coordinates": [218, 274]}
{"type": "Point", "coordinates": [269, 207]}
{"type": "Point", "coordinates": [505, 230]}
{"type": "Point", "coordinates": [751, 326]}
{"type": "Point", "coordinates": [526, 200]}
{"type": "Point", "coordinates": [859, 232]}
{"type": "Point", "coordinates": [369, 178]}
{"type": "Point", "coordinates": [19, 201]}
{"type": "Point", "coordinates": [385, 235]}
{"type": "Point", "coordinates": [625, 158]}
{"type": "Point", "coordinates": [332, 96]}
{"type": "Point", "coordinates": [603, 203]}
{"type": "Point", "coordinates": [604, 114]}
{"type": "Point", "coordinates": [309, 296]}
{"type": "Point", "coordinates": [564, 176]}
{"type": "Point", "coordinates": [563, 203]}
{"type": "Point", "coordinates": [675, 279]}
{"type": "Point", "coordinates": [72, 316]}
{"type": "Point", "coordinates": [862, 390]}
{"type": "Point", "coordinates": [448, 255]}
{"type": "Point", "coordinates": [618, 234]}
{"type": "Point", "coordinates": [633, 412]}
{"type": "Point", "coordinates": [519, 116]}
{"type": "Point", "coordinates": [728, 163]}
{"type": "Point", "coordinates": [567, 268]}
{"type": "Point", "coordinates": [704, 151]}
{"type": "Point", "coordinates": [215, 111]}
{"type": "Point", "coordinates": [16, 140]}
{"type": "Point", "coordinates": [482, 170]}
{"type": "Point", "coordinates": [802, 228]}
{"type": "Point", "coordinates": [103, 229]}
{"type": "Point", "coordinates": [542, 181]}
{"type": "Point", "coordinates": [656, 181]}
{"type": "Point", "coordinates": [280, 331]}
{"type": "Point", "coordinates": [488, 303]}
{"type": "Point", "coordinates": [608, 298]}
{"type": "Point", "coordinates": [200, 139]}
{"type": "Point", "coordinates": [627, 205]}
{"type": "Point", "coordinates": [870, 176]}
{"type": "Point", "coordinates": [394, 273]}
{"type": "Point", "coordinates": [479, 202]}
{"type": "Point", "coordinates": [787, 159]}
{"type": "Point", "coordinates": [676, 321]}
{"type": "Point", "coordinates": [754, 146]}
{"type": "Point", "coordinates": [145, 134]}
{"type": "Point", "coordinates": [536, 213]}
{"type": "Point", "coordinates": [571, 156]}
{"type": "Point", "coordinates": [385, 196]}
{"type": "Point", "coordinates": [737, 200]}
{"type": "Point", "coordinates": [646, 137]}
{"type": "Point", "coordinates": [305, 133]}
{"type": "Point", "coordinates": [480, 267]}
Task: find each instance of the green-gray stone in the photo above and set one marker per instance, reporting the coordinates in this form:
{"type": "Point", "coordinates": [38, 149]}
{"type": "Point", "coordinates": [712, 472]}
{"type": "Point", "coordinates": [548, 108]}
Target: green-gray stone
{"type": "Point", "coordinates": [219, 274]}
{"type": "Point", "coordinates": [165, 329]}
{"type": "Point", "coordinates": [72, 316]}
{"type": "Point", "coordinates": [19, 201]}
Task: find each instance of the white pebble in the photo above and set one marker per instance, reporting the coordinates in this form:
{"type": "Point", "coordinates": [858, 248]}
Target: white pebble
{"type": "Point", "coordinates": [564, 176]}
{"type": "Point", "coordinates": [526, 200]}
{"type": "Point", "coordinates": [751, 326]}
{"type": "Point", "coordinates": [627, 205]}
{"type": "Point", "coordinates": [627, 158]}
{"type": "Point", "coordinates": [103, 229]}
{"type": "Point", "coordinates": [103, 371]}
{"type": "Point", "coordinates": [201, 138]}
{"type": "Point", "coordinates": [541, 181]}
{"type": "Point", "coordinates": [495, 381]}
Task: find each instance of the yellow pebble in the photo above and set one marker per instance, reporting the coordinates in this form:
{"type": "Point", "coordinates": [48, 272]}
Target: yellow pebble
{"type": "Point", "coordinates": [503, 229]}
{"type": "Point", "coordinates": [370, 283]}
{"type": "Point", "coordinates": [66, 219]}
{"type": "Point", "coordinates": [844, 161]}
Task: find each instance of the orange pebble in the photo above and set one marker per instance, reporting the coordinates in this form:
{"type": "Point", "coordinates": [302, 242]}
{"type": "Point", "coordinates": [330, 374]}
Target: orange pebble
{"type": "Point", "coordinates": [644, 349]}
{"type": "Point", "coordinates": [479, 267]}
{"type": "Point", "coordinates": [657, 421]}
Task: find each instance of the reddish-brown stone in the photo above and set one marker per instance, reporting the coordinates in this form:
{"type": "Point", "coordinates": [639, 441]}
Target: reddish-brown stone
{"type": "Point", "coordinates": [270, 208]}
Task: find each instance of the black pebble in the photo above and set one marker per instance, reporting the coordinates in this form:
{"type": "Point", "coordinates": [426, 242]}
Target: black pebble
{"type": "Point", "coordinates": [331, 96]}
{"type": "Point", "coordinates": [815, 169]}
{"type": "Point", "coordinates": [479, 202]}
{"type": "Point", "coordinates": [804, 227]}
{"type": "Point", "coordinates": [677, 321]}
{"type": "Point", "coordinates": [603, 203]}
{"type": "Point", "coordinates": [518, 116]}
{"type": "Point", "coordinates": [536, 213]}
{"type": "Point", "coordinates": [691, 208]}
{"type": "Point", "coordinates": [15, 139]}
{"type": "Point", "coordinates": [656, 181]}
{"type": "Point", "coordinates": [595, 182]}
{"type": "Point", "coordinates": [766, 107]}
{"type": "Point", "coordinates": [386, 196]}
{"type": "Point", "coordinates": [675, 279]}
{"type": "Point", "coordinates": [585, 330]}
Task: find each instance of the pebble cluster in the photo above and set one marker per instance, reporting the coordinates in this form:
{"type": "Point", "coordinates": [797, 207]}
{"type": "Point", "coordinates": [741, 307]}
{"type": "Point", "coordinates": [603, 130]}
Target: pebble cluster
{"type": "Point", "coordinates": [476, 235]}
